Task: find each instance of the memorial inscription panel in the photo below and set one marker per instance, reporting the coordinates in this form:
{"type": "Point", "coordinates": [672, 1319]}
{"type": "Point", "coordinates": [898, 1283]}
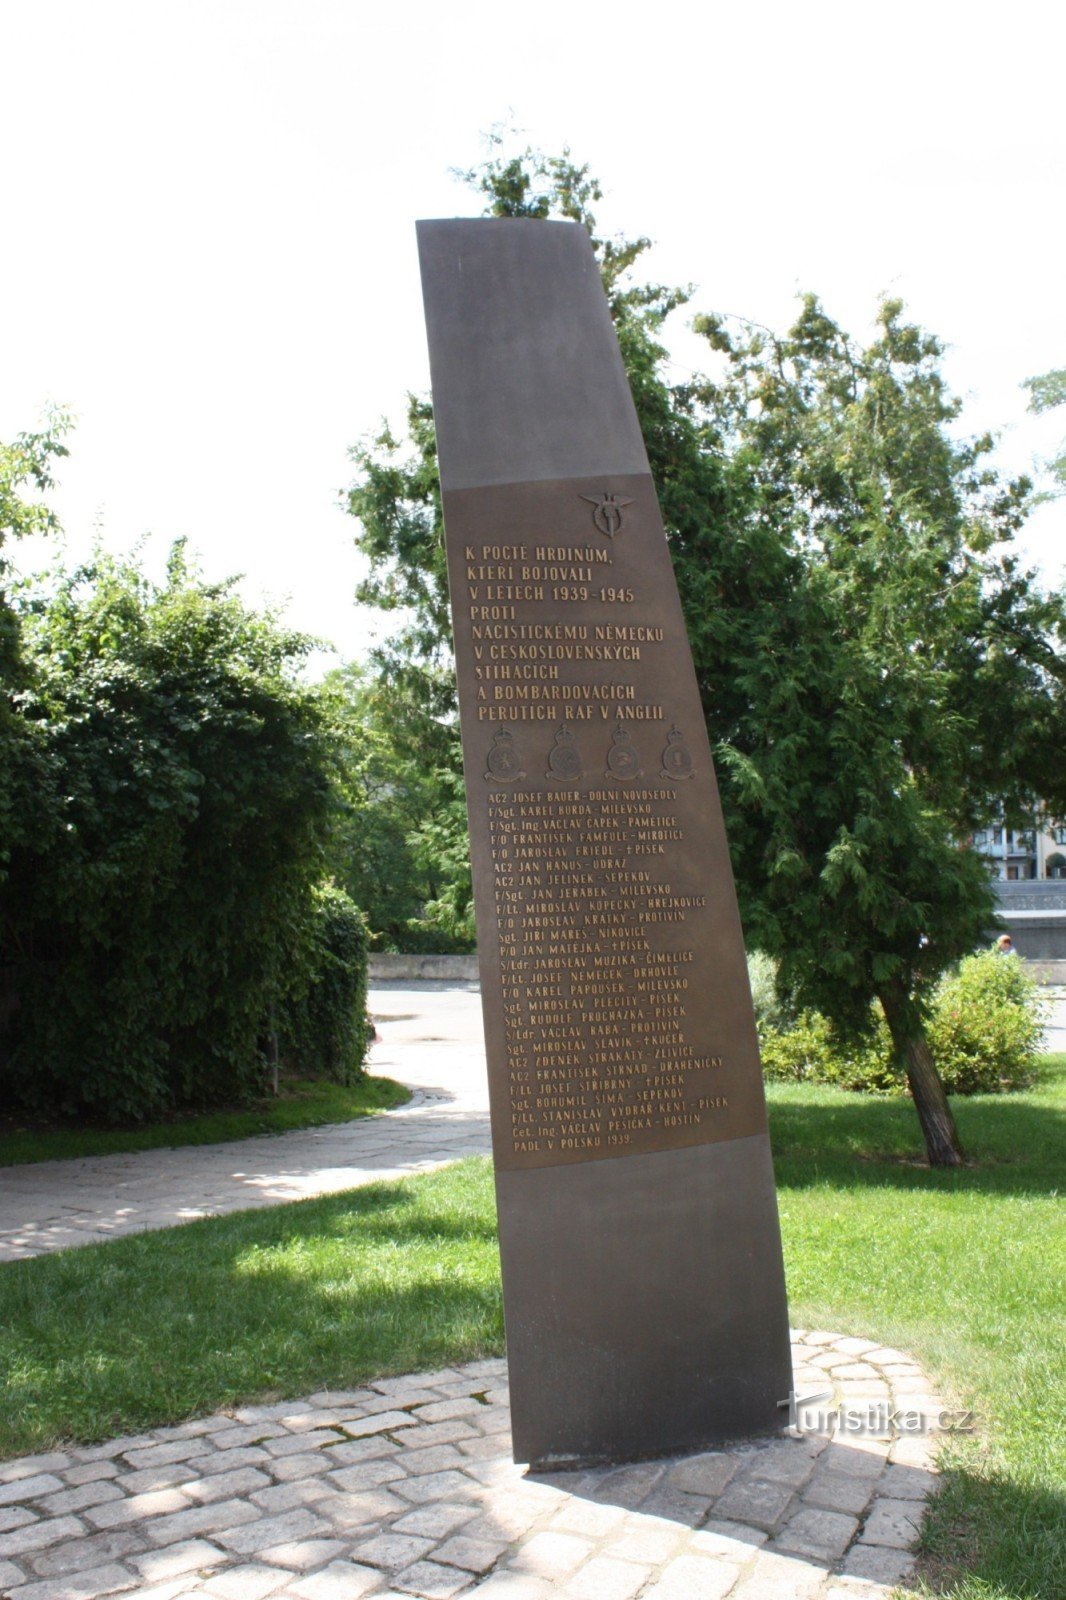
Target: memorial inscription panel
{"type": "Point", "coordinates": [592, 806]}
{"type": "Point", "coordinates": [643, 1285]}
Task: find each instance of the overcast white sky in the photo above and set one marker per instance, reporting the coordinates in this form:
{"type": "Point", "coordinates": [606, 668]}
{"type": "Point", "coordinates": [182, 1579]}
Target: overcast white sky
{"type": "Point", "coordinates": [208, 247]}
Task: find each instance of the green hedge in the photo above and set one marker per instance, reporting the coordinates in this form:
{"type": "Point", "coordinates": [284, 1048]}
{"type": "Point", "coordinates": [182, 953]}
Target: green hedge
{"type": "Point", "coordinates": [325, 1031]}
{"type": "Point", "coordinates": [153, 925]}
{"type": "Point", "coordinates": [811, 1052]}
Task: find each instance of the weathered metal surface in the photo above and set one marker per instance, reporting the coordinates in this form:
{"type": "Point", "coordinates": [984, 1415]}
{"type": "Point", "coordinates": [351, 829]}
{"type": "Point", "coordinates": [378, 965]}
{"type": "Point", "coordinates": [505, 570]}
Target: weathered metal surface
{"type": "Point", "coordinates": [643, 1286]}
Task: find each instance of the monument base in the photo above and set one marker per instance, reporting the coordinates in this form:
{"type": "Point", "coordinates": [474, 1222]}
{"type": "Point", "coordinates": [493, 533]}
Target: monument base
{"type": "Point", "coordinates": [643, 1304]}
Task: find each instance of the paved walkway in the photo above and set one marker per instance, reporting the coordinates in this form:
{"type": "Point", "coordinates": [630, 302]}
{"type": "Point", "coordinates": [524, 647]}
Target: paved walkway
{"type": "Point", "coordinates": [406, 1488]}
{"type": "Point", "coordinates": [53, 1204]}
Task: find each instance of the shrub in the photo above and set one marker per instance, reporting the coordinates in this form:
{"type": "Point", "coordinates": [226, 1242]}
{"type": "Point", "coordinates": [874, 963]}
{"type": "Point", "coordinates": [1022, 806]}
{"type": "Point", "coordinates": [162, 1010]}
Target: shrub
{"type": "Point", "coordinates": [986, 1024]}
{"type": "Point", "coordinates": [145, 942]}
{"type": "Point", "coordinates": [772, 1014]}
{"type": "Point", "coordinates": [325, 1033]}
{"type": "Point", "coordinates": [802, 1053]}
{"type": "Point", "coordinates": [810, 1051]}
{"type": "Point", "coordinates": [399, 845]}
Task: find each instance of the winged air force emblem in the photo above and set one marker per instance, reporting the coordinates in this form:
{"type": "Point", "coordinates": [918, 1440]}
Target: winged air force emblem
{"type": "Point", "coordinates": [607, 514]}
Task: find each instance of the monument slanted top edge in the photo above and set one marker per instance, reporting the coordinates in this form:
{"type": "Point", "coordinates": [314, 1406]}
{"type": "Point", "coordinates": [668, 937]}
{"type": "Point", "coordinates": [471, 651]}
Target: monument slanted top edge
{"type": "Point", "coordinates": [497, 222]}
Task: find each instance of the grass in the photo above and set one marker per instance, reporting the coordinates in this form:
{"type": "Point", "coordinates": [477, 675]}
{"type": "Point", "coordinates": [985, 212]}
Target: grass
{"type": "Point", "coordinates": [167, 1325]}
{"type": "Point", "coordinates": [965, 1270]}
{"type": "Point", "coordinates": [302, 1103]}
{"type": "Point", "coordinates": [958, 1267]}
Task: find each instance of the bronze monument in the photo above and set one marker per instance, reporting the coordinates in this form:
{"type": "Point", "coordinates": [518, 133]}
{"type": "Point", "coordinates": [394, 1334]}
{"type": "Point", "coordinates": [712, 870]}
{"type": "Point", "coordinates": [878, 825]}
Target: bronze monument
{"type": "Point", "coordinates": [643, 1284]}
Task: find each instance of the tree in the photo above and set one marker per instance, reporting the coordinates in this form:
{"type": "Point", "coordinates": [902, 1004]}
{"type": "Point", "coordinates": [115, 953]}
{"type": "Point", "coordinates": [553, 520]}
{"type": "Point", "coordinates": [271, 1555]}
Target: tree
{"type": "Point", "coordinates": [159, 924]}
{"type": "Point", "coordinates": [398, 843]}
{"type": "Point", "coordinates": [28, 463]}
{"type": "Point", "coordinates": [24, 465]}
{"type": "Point", "coordinates": [877, 672]}
{"type": "Point", "coordinates": [914, 678]}
{"type": "Point", "coordinates": [1047, 391]}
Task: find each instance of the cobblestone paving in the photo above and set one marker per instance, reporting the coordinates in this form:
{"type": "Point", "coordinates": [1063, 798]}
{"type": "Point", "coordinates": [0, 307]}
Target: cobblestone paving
{"type": "Point", "coordinates": [406, 1488]}
{"type": "Point", "coordinates": [431, 1038]}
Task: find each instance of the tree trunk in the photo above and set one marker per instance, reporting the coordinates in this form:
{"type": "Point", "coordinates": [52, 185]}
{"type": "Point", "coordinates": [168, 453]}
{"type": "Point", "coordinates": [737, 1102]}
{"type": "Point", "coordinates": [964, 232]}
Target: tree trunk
{"type": "Point", "coordinates": [930, 1101]}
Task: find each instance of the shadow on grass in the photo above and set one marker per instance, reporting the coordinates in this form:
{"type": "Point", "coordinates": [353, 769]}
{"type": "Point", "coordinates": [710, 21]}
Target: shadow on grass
{"type": "Point", "coordinates": [994, 1535]}
{"type": "Point", "coordinates": [1011, 1144]}
{"type": "Point", "coordinates": [320, 1294]}
{"type": "Point", "coordinates": [382, 1211]}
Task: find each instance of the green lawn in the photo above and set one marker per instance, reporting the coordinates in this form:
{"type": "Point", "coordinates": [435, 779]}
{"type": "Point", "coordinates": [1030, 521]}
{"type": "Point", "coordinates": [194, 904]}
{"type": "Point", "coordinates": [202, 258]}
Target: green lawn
{"type": "Point", "coordinates": [302, 1103]}
{"type": "Point", "coordinates": [967, 1271]}
{"type": "Point", "coordinates": [963, 1268]}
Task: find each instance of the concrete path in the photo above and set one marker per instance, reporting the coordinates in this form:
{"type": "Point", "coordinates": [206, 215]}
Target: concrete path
{"type": "Point", "coordinates": [406, 1488]}
{"type": "Point", "coordinates": [431, 1038]}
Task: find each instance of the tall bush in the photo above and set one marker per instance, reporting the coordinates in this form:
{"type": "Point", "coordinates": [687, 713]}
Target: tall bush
{"type": "Point", "coordinates": [399, 846]}
{"type": "Point", "coordinates": [325, 1033]}
{"type": "Point", "coordinates": [809, 1050]}
{"type": "Point", "coordinates": [148, 940]}
{"type": "Point", "coordinates": [27, 815]}
{"type": "Point", "coordinates": [986, 1025]}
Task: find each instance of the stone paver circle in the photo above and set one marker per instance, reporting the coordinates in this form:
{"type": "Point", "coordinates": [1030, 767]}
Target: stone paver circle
{"type": "Point", "coordinates": [405, 1487]}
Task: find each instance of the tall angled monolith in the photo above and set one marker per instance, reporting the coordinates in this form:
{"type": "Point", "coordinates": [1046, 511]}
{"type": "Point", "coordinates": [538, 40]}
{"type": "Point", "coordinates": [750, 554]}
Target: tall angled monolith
{"type": "Point", "coordinates": [643, 1287]}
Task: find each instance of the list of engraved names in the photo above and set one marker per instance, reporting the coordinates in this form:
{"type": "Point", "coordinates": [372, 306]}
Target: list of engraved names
{"type": "Point", "coordinates": [587, 787]}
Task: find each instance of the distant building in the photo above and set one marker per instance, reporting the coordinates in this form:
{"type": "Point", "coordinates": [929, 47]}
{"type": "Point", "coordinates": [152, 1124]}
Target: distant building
{"type": "Point", "coordinates": [1034, 914]}
{"type": "Point", "coordinates": [1029, 865]}
{"type": "Point", "coordinates": [1037, 851]}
